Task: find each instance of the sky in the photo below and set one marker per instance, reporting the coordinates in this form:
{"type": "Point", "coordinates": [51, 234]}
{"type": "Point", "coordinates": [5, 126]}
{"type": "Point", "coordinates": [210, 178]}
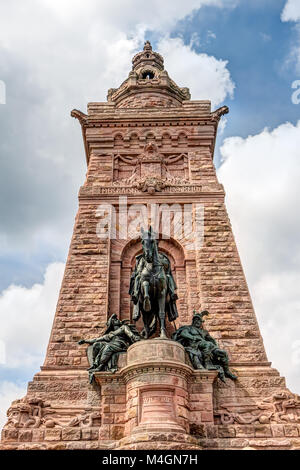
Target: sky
{"type": "Point", "coordinates": [56, 55]}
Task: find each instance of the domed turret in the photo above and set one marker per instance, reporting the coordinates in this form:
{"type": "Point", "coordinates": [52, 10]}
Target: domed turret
{"type": "Point", "coordinates": [148, 84]}
{"type": "Point", "coordinates": [147, 59]}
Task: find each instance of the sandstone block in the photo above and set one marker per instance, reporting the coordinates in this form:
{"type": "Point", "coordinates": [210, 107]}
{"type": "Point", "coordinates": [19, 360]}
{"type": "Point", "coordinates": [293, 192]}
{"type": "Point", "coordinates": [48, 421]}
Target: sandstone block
{"type": "Point", "coordinates": [108, 418]}
{"type": "Point", "coordinates": [53, 434]}
{"type": "Point", "coordinates": [262, 431]}
{"type": "Point", "coordinates": [9, 434]}
{"type": "Point", "coordinates": [291, 430]}
{"type": "Point", "coordinates": [226, 431]}
{"type": "Point", "coordinates": [25, 435]}
{"type": "Point", "coordinates": [38, 435]}
{"type": "Point", "coordinates": [104, 432]}
{"type": "Point", "coordinates": [277, 430]}
{"type": "Point", "coordinates": [117, 432]}
{"type": "Point", "coordinates": [206, 416]}
{"type": "Point", "coordinates": [245, 431]}
{"type": "Point", "coordinates": [71, 434]}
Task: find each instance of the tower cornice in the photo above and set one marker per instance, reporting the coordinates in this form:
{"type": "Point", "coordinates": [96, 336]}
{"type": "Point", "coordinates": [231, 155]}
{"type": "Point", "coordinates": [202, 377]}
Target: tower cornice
{"type": "Point", "coordinates": [191, 114]}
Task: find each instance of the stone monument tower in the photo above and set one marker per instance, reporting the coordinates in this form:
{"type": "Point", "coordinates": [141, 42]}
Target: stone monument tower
{"type": "Point", "coordinates": [149, 152]}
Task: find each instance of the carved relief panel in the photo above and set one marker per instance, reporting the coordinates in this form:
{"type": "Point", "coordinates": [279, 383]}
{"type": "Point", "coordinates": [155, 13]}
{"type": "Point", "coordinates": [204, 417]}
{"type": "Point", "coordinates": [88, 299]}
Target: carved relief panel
{"type": "Point", "coordinates": [151, 168]}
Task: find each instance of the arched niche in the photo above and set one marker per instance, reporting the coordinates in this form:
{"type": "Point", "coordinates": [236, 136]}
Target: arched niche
{"type": "Point", "coordinates": [123, 255]}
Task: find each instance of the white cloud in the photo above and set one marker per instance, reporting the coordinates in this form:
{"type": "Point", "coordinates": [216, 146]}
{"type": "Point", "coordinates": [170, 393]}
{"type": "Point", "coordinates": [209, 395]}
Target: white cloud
{"type": "Point", "coordinates": [277, 301]}
{"type": "Point", "coordinates": [157, 14]}
{"type": "Point", "coordinates": [222, 125]}
{"type": "Point", "coordinates": [60, 55]}
{"type": "Point", "coordinates": [206, 76]}
{"type": "Point", "coordinates": [26, 316]}
{"type": "Point", "coordinates": [88, 48]}
{"type": "Point", "coordinates": [261, 175]}
{"type": "Point", "coordinates": [9, 391]}
{"type": "Point", "coordinates": [296, 352]}
{"type": "Point", "coordinates": [291, 11]}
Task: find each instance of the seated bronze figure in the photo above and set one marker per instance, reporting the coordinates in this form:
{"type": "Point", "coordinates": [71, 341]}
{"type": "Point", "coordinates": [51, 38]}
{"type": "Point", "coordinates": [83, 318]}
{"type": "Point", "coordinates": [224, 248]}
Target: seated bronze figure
{"type": "Point", "coordinates": [203, 350]}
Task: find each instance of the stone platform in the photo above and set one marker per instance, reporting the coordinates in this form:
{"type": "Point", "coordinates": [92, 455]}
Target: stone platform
{"type": "Point", "coordinates": [144, 405]}
{"type": "Point", "coordinates": [156, 400]}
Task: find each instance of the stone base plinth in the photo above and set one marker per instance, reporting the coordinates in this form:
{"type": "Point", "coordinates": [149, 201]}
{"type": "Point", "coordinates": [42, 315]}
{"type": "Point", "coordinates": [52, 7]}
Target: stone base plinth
{"type": "Point", "coordinates": [156, 400]}
{"type": "Point", "coordinates": [156, 379]}
{"type": "Point", "coordinates": [159, 440]}
{"type": "Point", "coordinates": [158, 385]}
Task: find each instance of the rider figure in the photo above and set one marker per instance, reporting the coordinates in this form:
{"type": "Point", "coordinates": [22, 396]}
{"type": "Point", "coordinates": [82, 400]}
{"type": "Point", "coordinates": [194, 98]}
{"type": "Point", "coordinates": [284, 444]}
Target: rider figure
{"type": "Point", "coordinates": [135, 282]}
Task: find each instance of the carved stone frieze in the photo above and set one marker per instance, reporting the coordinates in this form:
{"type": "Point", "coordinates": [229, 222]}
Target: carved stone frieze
{"type": "Point", "coordinates": [27, 413]}
{"type": "Point", "coordinates": [35, 413]}
{"type": "Point", "coordinates": [282, 407]}
{"type": "Point", "coordinates": [85, 420]}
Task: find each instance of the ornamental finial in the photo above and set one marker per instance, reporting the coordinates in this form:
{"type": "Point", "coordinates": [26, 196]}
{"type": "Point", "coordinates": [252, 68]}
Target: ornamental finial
{"type": "Point", "coordinates": [147, 46]}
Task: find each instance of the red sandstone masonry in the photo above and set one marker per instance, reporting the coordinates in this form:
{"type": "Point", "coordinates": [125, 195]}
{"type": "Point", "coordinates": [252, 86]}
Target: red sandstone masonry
{"type": "Point", "coordinates": [257, 411]}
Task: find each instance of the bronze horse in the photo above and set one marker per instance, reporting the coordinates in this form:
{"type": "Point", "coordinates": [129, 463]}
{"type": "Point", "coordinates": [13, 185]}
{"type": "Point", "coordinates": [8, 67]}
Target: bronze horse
{"type": "Point", "coordinates": [152, 287]}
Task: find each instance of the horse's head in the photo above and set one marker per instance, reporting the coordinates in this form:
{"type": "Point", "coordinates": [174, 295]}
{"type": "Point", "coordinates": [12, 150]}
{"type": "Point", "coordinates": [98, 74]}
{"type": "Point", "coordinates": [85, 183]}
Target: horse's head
{"type": "Point", "coordinates": [149, 244]}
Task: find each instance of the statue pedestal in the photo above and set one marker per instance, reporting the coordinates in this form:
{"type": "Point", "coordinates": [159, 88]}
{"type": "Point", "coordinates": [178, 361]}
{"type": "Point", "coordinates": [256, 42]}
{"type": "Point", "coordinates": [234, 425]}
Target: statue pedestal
{"type": "Point", "coordinates": [158, 386]}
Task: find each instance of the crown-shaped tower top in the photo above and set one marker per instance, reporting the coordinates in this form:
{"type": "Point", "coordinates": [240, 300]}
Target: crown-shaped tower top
{"type": "Point", "coordinates": [147, 58]}
{"type": "Point", "coordinates": [148, 84]}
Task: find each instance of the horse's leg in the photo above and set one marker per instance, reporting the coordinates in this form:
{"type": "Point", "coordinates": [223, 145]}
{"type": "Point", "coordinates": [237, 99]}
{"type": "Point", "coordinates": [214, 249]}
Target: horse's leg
{"type": "Point", "coordinates": [146, 304]}
{"type": "Point", "coordinates": [136, 311]}
{"type": "Point", "coordinates": [153, 325]}
{"type": "Point", "coordinates": [162, 314]}
{"type": "Point", "coordinates": [146, 330]}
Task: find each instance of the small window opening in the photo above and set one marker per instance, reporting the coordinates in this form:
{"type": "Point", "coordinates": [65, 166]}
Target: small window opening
{"type": "Point", "coordinates": [147, 75]}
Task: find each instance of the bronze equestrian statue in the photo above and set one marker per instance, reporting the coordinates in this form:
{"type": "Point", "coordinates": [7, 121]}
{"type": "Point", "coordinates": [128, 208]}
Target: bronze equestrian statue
{"type": "Point", "coordinates": [152, 287]}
